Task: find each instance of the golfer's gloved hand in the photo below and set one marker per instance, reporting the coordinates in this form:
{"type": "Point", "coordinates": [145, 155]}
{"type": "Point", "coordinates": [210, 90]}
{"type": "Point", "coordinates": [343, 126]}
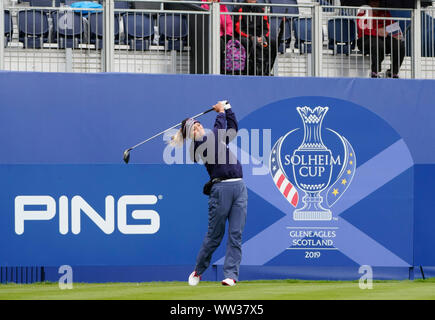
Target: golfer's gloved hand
{"type": "Point", "coordinates": [226, 104]}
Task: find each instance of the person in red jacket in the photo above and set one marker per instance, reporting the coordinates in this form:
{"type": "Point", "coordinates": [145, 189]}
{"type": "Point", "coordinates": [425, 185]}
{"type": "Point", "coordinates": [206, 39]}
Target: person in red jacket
{"type": "Point", "coordinates": [378, 37]}
{"type": "Point", "coordinates": [226, 23]}
{"type": "Point", "coordinates": [253, 32]}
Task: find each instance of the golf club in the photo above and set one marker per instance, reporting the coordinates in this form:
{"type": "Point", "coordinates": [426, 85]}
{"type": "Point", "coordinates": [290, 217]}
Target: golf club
{"type": "Point", "coordinates": [127, 152]}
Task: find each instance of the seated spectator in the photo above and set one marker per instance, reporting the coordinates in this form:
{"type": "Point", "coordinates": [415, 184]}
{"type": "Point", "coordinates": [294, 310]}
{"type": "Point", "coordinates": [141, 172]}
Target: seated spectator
{"type": "Point", "coordinates": [376, 38]}
{"type": "Point", "coordinates": [253, 32]}
{"type": "Point", "coordinates": [226, 29]}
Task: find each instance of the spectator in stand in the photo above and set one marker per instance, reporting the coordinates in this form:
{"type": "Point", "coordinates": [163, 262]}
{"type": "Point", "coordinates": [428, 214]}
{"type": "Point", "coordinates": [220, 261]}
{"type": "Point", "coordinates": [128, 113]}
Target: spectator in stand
{"type": "Point", "coordinates": [253, 32]}
{"type": "Point", "coordinates": [226, 29]}
{"type": "Point", "coordinates": [378, 37]}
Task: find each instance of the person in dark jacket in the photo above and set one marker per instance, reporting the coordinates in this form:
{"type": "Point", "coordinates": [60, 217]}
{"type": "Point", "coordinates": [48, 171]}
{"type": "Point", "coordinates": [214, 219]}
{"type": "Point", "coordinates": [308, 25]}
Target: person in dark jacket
{"type": "Point", "coordinates": [228, 195]}
{"type": "Point", "coordinates": [253, 32]}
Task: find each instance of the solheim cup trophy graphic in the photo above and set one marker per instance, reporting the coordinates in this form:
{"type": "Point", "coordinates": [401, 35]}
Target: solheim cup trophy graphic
{"type": "Point", "coordinates": [316, 168]}
{"type": "Point", "coordinates": [312, 166]}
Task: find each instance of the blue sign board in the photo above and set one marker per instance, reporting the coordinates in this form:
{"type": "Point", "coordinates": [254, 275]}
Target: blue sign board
{"type": "Point", "coordinates": [339, 171]}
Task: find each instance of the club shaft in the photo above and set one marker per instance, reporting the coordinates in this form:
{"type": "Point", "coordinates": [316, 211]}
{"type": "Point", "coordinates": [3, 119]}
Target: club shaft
{"type": "Point", "coordinates": [160, 133]}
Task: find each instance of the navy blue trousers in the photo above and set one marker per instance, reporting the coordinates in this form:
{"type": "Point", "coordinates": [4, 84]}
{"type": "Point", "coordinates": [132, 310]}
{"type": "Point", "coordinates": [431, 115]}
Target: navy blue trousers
{"type": "Point", "coordinates": [228, 201]}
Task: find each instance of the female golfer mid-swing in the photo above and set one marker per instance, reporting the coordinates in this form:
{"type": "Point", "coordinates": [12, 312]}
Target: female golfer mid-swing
{"type": "Point", "coordinates": [227, 192]}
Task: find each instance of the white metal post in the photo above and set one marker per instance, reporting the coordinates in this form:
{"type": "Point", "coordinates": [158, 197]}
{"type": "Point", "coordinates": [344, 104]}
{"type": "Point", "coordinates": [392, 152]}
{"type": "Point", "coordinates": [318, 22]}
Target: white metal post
{"type": "Point", "coordinates": [316, 41]}
{"type": "Point", "coordinates": [2, 36]}
{"type": "Point", "coordinates": [215, 38]}
{"type": "Point", "coordinates": [416, 40]}
{"type": "Point", "coordinates": [108, 35]}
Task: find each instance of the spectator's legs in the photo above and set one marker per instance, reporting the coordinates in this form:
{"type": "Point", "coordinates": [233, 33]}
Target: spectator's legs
{"type": "Point", "coordinates": [396, 48]}
{"type": "Point", "coordinates": [377, 51]}
{"type": "Point", "coordinates": [373, 46]}
{"type": "Point", "coordinates": [272, 50]}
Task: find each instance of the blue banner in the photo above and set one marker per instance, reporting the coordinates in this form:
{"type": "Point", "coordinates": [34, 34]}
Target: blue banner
{"type": "Point", "coordinates": [338, 171]}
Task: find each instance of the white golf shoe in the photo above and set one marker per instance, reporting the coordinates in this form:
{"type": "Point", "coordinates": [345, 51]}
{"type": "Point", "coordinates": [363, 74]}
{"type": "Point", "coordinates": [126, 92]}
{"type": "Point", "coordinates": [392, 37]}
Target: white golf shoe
{"type": "Point", "coordinates": [229, 282]}
{"type": "Point", "coordinates": [194, 279]}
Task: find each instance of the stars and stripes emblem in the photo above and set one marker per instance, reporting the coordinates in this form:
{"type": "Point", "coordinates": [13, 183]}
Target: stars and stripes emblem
{"type": "Point", "coordinates": [279, 177]}
{"type": "Point", "coordinates": [339, 187]}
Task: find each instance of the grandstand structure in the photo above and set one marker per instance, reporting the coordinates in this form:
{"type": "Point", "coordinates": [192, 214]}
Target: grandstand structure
{"type": "Point", "coordinates": [313, 38]}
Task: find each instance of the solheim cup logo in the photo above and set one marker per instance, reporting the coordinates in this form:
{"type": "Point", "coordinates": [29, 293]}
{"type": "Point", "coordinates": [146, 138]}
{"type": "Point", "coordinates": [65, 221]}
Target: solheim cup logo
{"type": "Point", "coordinates": [319, 170]}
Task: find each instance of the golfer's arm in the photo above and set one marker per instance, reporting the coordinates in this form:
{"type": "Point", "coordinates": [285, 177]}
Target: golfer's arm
{"type": "Point", "coordinates": [226, 121]}
{"type": "Point", "coordinates": [221, 122]}
{"type": "Point", "coordinates": [231, 125]}
{"type": "Point", "coordinates": [231, 120]}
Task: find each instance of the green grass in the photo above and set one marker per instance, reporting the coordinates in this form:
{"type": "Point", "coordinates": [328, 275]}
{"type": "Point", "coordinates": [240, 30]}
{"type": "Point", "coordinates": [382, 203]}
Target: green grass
{"type": "Point", "coordinates": [245, 290]}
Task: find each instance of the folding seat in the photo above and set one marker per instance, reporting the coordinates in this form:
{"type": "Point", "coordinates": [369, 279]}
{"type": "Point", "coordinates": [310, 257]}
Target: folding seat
{"type": "Point", "coordinates": [326, 5]}
{"type": "Point", "coordinates": [70, 2]}
{"type": "Point", "coordinates": [68, 29]}
{"type": "Point", "coordinates": [33, 28]}
{"type": "Point", "coordinates": [342, 35]}
{"type": "Point", "coordinates": [8, 27]}
{"type": "Point", "coordinates": [44, 3]}
{"type": "Point", "coordinates": [119, 5]}
{"type": "Point", "coordinates": [427, 37]}
{"type": "Point", "coordinates": [138, 30]}
{"type": "Point", "coordinates": [303, 35]}
{"type": "Point", "coordinates": [173, 31]}
{"type": "Point", "coordinates": [122, 5]}
{"type": "Point", "coordinates": [96, 29]}
{"type": "Point", "coordinates": [292, 10]}
{"type": "Point", "coordinates": [86, 7]}
{"type": "Point", "coordinates": [281, 31]}
{"type": "Point", "coordinates": [408, 42]}
{"type": "Point", "coordinates": [281, 27]}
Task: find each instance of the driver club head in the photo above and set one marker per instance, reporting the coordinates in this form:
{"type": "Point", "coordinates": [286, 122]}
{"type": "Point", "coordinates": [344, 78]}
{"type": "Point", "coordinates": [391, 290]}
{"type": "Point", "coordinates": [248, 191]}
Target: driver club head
{"type": "Point", "coordinates": [127, 155]}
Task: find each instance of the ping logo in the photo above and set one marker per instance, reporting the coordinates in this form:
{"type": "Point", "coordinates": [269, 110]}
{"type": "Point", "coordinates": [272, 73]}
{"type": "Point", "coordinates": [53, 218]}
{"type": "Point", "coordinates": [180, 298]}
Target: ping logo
{"type": "Point", "coordinates": [322, 165]}
{"type": "Point", "coordinates": [44, 208]}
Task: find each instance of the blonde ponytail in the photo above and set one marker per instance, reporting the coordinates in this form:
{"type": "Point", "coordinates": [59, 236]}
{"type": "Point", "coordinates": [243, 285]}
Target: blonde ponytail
{"type": "Point", "coordinates": [177, 139]}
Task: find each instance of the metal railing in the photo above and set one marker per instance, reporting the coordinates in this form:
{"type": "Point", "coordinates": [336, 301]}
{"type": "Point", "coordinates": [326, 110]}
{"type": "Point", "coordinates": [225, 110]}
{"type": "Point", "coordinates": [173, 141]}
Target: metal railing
{"type": "Point", "coordinates": [265, 36]}
{"type": "Point", "coordinates": [353, 46]}
{"type": "Point", "coordinates": [426, 45]}
{"type": "Point", "coordinates": [190, 37]}
{"type": "Point", "coordinates": [51, 39]}
{"type": "Point", "coordinates": [165, 40]}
